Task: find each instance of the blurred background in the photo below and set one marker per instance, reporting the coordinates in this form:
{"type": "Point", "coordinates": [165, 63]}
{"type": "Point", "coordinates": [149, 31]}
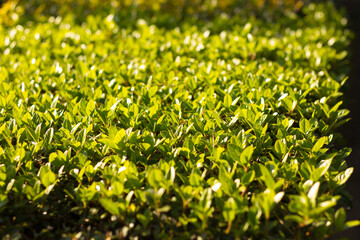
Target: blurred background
{"type": "Point", "coordinates": [351, 130]}
{"type": "Point", "coordinates": [14, 12]}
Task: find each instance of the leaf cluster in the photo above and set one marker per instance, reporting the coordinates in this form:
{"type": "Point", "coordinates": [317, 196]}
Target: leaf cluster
{"type": "Point", "coordinates": [225, 129]}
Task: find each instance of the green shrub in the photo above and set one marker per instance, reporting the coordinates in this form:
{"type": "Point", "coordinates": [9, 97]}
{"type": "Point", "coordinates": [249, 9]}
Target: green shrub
{"type": "Point", "coordinates": [221, 127]}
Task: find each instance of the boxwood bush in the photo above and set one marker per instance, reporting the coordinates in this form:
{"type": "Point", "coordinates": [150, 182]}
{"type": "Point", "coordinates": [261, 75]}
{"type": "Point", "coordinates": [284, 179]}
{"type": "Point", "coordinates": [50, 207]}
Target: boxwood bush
{"type": "Point", "coordinates": [127, 122]}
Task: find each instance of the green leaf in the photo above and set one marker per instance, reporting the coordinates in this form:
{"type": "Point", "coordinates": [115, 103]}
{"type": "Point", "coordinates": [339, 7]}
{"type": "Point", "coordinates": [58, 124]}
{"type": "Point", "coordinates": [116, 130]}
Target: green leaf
{"type": "Point", "coordinates": [322, 207]}
{"type": "Point", "coordinates": [48, 179]}
{"type": "Point", "coordinates": [172, 174]}
{"type": "Point", "coordinates": [351, 224]}
{"type": "Point", "coordinates": [322, 168]}
{"type": "Point", "coordinates": [49, 134]}
{"type": "Point", "coordinates": [31, 133]}
{"type": "Point", "coordinates": [246, 155]}
{"type": "Point", "coordinates": [54, 102]}
{"type": "Point", "coordinates": [280, 148]}
{"type": "Point", "coordinates": [90, 107]}
{"type": "Point", "coordinates": [152, 91]}
{"type": "Point", "coordinates": [319, 144]}
{"type": "Point", "coordinates": [155, 177]}
{"type": "Point", "coordinates": [227, 183]}
{"type": "Point", "coordinates": [266, 176]}
{"type": "Point", "coordinates": [313, 192]}
{"type": "Point", "coordinates": [340, 218]}
{"type": "Point", "coordinates": [234, 152]}
{"type": "Point", "coordinates": [229, 211]}
{"type": "Point", "coordinates": [82, 137]}
{"type": "Point", "coordinates": [117, 188]}
{"type": "Point", "coordinates": [305, 126]}
{"type": "Point", "coordinates": [145, 218]}
{"type": "Point", "coordinates": [342, 177]}
{"type": "Point", "coordinates": [110, 206]}
{"type": "Point", "coordinates": [120, 136]}
{"type": "Point", "coordinates": [227, 101]}
{"type": "Point", "coordinates": [247, 178]}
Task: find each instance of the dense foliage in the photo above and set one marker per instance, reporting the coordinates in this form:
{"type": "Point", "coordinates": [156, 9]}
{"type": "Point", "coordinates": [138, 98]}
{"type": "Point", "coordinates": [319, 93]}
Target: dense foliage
{"type": "Point", "coordinates": [185, 127]}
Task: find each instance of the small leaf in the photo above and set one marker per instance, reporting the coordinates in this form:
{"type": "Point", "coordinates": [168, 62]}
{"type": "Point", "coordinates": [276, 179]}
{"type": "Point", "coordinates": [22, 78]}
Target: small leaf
{"type": "Point", "coordinates": [48, 178]}
{"type": "Point", "coordinates": [117, 188]}
{"type": "Point", "coordinates": [234, 120]}
{"type": "Point", "coordinates": [49, 136]}
{"type": "Point", "coordinates": [110, 206]}
{"type": "Point", "coordinates": [152, 91]}
{"type": "Point", "coordinates": [305, 126]}
{"type": "Point", "coordinates": [90, 107]}
{"type": "Point", "coordinates": [322, 168]}
{"type": "Point", "coordinates": [350, 224]}
{"type": "Point", "coordinates": [246, 155]}
{"type": "Point", "coordinates": [82, 137]}
{"type": "Point", "coordinates": [267, 177]}
{"type": "Point", "coordinates": [155, 177]}
{"type": "Point", "coordinates": [280, 148]}
{"type": "Point", "coordinates": [172, 174]}
{"type": "Point", "coordinates": [227, 101]}
{"type": "Point", "coordinates": [340, 218]}
{"type": "Point", "coordinates": [54, 102]}
{"type": "Point", "coordinates": [342, 177]}
{"type": "Point", "coordinates": [278, 197]}
{"type": "Point", "coordinates": [318, 145]}
{"type": "Point", "coordinates": [313, 192]}
{"type": "Point", "coordinates": [229, 211]}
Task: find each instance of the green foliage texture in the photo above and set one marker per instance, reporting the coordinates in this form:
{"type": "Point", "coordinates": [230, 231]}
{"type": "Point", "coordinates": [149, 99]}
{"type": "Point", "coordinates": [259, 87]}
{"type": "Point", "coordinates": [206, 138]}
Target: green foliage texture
{"type": "Point", "coordinates": [172, 120]}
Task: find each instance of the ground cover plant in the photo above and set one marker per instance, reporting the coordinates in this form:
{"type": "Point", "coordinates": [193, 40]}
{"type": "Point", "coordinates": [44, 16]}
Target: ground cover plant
{"type": "Point", "coordinates": [140, 124]}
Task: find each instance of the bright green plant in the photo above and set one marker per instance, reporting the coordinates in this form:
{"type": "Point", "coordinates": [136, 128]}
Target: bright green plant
{"type": "Point", "coordinates": [221, 129]}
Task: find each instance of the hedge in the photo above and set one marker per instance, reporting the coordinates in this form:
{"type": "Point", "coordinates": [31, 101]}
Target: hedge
{"type": "Point", "coordinates": [139, 125]}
